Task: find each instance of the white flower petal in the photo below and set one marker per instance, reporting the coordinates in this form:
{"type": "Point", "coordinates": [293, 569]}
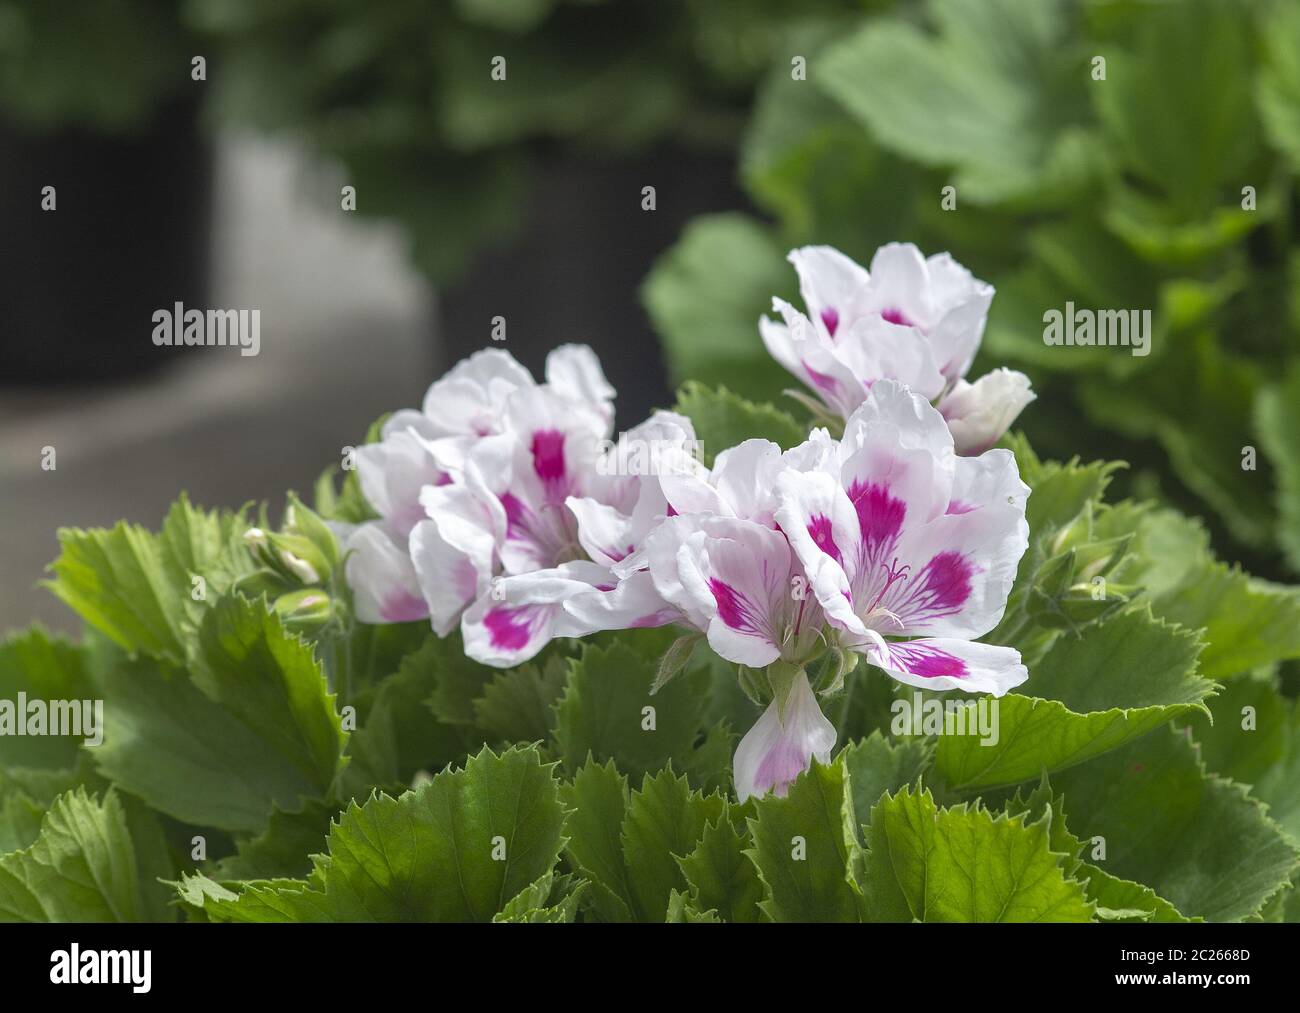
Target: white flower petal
{"type": "Point", "coordinates": [392, 474]}
{"type": "Point", "coordinates": [382, 578]}
{"type": "Point", "coordinates": [522, 614]}
{"type": "Point", "coordinates": [574, 372]}
{"type": "Point", "coordinates": [945, 663]}
{"type": "Point", "coordinates": [453, 554]}
{"type": "Point", "coordinates": [775, 751]}
{"type": "Point", "coordinates": [979, 413]}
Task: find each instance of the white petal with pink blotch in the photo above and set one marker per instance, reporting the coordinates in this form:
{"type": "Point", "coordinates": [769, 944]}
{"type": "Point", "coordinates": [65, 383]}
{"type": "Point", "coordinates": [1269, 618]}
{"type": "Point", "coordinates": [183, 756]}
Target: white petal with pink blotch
{"type": "Point", "coordinates": [780, 746]}
{"type": "Point", "coordinates": [521, 614]}
{"type": "Point", "coordinates": [384, 585]}
{"type": "Point", "coordinates": [946, 663]}
{"type": "Point", "coordinates": [392, 473]}
{"type": "Point", "coordinates": [911, 541]}
{"type": "Point", "coordinates": [909, 318]}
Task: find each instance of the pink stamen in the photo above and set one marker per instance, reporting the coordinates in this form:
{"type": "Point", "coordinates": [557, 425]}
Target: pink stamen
{"type": "Point", "coordinates": [893, 574]}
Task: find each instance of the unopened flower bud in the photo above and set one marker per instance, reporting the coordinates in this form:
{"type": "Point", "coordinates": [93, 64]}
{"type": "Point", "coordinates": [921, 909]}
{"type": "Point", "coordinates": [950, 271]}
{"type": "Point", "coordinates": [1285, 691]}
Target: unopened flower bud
{"type": "Point", "coordinates": [305, 611]}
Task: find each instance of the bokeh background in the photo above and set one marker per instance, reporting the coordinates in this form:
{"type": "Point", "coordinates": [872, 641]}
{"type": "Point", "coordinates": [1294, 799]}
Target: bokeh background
{"type": "Point", "coordinates": [761, 125]}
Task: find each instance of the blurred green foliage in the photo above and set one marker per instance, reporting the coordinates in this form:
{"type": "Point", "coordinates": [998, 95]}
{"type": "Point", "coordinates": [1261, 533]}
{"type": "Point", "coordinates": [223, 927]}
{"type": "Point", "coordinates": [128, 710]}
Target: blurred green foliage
{"type": "Point", "coordinates": [403, 93]}
{"type": "Point", "coordinates": [102, 64]}
{"type": "Point", "coordinates": [1126, 191]}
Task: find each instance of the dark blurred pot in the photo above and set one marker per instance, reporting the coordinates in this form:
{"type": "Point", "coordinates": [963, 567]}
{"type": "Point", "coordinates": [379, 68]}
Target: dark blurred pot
{"type": "Point", "coordinates": [574, 270]}
{"type": "Point", "coordinates": [79, 285]}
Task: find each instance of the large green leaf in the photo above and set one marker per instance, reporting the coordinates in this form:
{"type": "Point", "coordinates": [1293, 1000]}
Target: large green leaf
{"type": "Point", "coordinates": [1200, 842]}
{"type": "Point", "coordinates": [805, 848]}
{"type": "Point", "coordinates": [83, 867]}
{"type": "Point", "coordinates": [1177, 107]}
{"type": "Point", "coordinates": [251, 729]}
{"type": "Point", "coordinates": [629, 846]}
{"type": "Point", "coordinates": [271, 682]}
{"type": "Point", "coordinates": [607, 709]}
{"type": "Point", "coordinates": [54, 672]}
{"type": "Point", "coordinates": [721, 876]}
{"type": "Point", "coordinates": [1277, 420]}
{"type": "Point", "coordinates": [875, 765]}
{"type": "Point", "coordinates": [1111, 683]}
{"type": "Point", "coordinates": [964, 864]}
{"type": "Point", "coordinates": [1116, 899]}
{"type": "Point", "coordinates": [1247, 623]}
{"type": "Point", "coordinates": [1278, 84]}
{"type": "Point", "coordinates": [997, 94]}
{"type": "Point", "coordinates": [458, 849]}
{"type": "Point", "coordinates": [139, 588]}
{"type": "Point", "coordinates": [1255, 740]}
{"type": "Point", "coordinates": [705, 295]}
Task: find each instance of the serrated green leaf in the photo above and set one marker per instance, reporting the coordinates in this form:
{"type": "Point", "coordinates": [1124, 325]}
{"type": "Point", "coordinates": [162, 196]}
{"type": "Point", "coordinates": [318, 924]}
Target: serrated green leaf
{"type": "Point", "coordinates": [1247, 623]}
{"type": "Point", "coordinates": [665, 821]}
{"type": "Point", "coordinates": [551, 899]}
{"type": "Point", "coordinates": [682, 910]}
{"type": "Point", "coordinates": [1116, 899]}
{"type": "Point", "coordinates": [20, 820]}
{"type": "Point", "coordinates": [398, 735]}
{"type": "Point", "coordinates": [457, 849]}
{"type": "Point", "coordinates": [517, 705]}
{"type": "Point", "coordinates": [459, 680]}
{"type": "Point", "coordinates": [169, 744]}
{"type": "Point", "coordinates": [253, 728]}
{"type": "Point", "coordinates": [875, 765]}
{"type": "Point", "coordinates": [607, 709]}
{"type": "Point", "coordinates": [1112, 683]}
{"type": "Point", "coordinates": [963, 864]}
{"type": "Point", "coordinates": [284, 849]}
{"type": "Point", "coordinates": [1255, 740]}
{"type": "Point", "coordinates": [720, 875]}
{"type": "Point", "coordinates": [597, 799]}
{"type": "Point", "coordinates": [271, 682]}
{"type": "Point", "coordinates": [805, 849]}
{"type": "Point", "coordinates": [1200, 842]}
{"type": "Point", "coordinates": [138, 588]}
{"type": "Point", "coordinates": [708, 765]}
{"type": "Point", "coordinates": [83, 867]}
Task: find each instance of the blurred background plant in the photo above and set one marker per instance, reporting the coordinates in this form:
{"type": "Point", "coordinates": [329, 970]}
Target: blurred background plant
{"type": "Point", "coordinates": [1118, 188]}
{"type": "Point", "coordinates": [106, 65]}
{"type": "Point", "coordinates": [513, 139]}
{"type": "Point", "coordinates": [403, 95]}
{"type": "Point", "coordinates": [1126, 191]}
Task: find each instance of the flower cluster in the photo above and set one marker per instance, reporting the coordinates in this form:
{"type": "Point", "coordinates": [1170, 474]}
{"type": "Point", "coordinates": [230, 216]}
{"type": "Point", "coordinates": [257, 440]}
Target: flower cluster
{"type": "Point", "coordinates": [507, 510]}
{"type": "Point", "coordinates": [910, 318]}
